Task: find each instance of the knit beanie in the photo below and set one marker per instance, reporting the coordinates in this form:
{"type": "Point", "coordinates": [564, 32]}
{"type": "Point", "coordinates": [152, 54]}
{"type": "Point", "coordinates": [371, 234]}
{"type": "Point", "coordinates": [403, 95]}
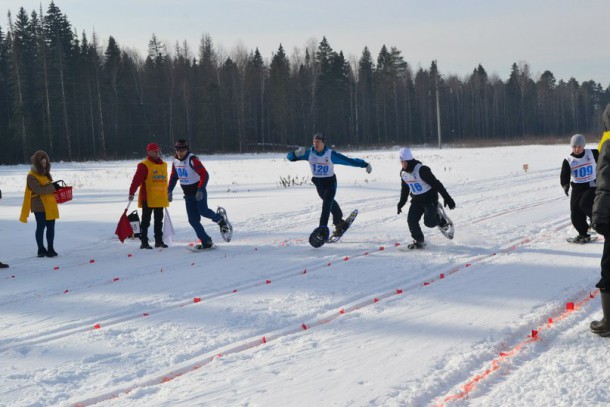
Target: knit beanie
{"type": "Point", "coordinates": [578, 140]}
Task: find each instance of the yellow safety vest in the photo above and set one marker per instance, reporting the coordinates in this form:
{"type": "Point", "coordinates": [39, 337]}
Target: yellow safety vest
{"type": "Point", "coordinates": [48, 200]}
{"type": "Point", "coordinates": [605, 137]}
{"type": "Point", "coordinates": [156, 185]}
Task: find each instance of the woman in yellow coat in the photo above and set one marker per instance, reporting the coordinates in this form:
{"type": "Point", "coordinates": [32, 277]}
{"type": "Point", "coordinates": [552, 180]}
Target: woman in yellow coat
{"type": "Point", "coordinates": [39, 198]}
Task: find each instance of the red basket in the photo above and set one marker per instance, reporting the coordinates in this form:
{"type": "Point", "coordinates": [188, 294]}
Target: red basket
{"type": "Point", "coordinates": [63, 193]}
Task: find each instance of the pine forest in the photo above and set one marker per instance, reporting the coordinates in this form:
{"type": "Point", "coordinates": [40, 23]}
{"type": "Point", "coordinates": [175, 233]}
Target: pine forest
{"type": "Point", "coordinates": [63, 92]}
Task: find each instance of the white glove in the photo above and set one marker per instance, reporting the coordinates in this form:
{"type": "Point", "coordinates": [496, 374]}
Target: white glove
{"type": "Point", "coordinates": [300, 151]}
{"type": "Point", "coordinates": [369, 169]}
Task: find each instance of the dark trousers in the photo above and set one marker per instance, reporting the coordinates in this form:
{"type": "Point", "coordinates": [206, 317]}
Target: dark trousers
{"type": "Point", "coordinates": [41, 224]}
{"type": "Point", "coordinates": [418, 209]}
{"type": "Point", "coordinates": [195, 210]}
{"type": "Point", "coordinates": [581, 207]}
{"type": "Point", "coordinates": [145, 224]}
{"type": "Point", "coordinates": [604, 282]}
{"type": "Point", "coordinates": [327, 189]}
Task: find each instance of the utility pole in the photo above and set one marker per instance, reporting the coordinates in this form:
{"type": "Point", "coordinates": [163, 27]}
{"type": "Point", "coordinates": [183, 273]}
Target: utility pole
{"type": "Point", "coordinates": [438, 109]}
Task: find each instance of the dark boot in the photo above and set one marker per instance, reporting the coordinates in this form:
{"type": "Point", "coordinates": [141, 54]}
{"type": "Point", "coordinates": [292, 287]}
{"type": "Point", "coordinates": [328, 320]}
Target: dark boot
{"type": "Point", "coordinates": [602, 328]}
{"type": "Point", "coordinates": [3, 265]}
{"type": "Point", "coordinates": [51, 252]}
{"type": "Point", "coordinates": [159, 242]}
{"type": "Point", "coordinates": [144, 239]}
{"type": "Point", "coordinates": [42, 252]}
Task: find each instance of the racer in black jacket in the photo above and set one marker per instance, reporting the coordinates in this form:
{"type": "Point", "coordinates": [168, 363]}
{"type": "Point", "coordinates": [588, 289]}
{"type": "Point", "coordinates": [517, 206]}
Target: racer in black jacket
{"type": "Point", "coordinates": [419, 181]}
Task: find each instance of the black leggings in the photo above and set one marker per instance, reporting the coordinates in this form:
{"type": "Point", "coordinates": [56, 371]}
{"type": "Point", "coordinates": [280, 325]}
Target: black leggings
{"type": "Point", "coordinates": [327, 188]}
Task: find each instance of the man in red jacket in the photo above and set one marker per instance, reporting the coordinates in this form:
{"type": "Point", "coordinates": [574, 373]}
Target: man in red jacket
{"type": "Point", "coordinates": [151, 178]}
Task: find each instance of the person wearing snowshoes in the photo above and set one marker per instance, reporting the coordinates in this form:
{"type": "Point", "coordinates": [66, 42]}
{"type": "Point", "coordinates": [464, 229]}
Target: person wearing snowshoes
{"type": "Point", "coordinates": [39, 198]}
{"type": "Point", "coordinates": [601, 223]}
{"type": "Point", "coordinates": [193, 177]}
{"type": "Point", "coordinates": [419, 181]}
{"type": "Point", "coordinates": [579, 170]}
{"type": "Point", "coordinates": [151, 179]}
{"type": "Point", "coordinates": [322, 161]}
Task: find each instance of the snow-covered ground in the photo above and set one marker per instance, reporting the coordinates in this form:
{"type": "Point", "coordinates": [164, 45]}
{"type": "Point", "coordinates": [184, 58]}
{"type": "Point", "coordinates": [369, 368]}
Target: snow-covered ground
{"type": "Point", "coordinates": [267, 320]}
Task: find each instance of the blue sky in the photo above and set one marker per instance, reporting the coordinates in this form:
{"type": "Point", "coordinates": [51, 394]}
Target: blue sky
{"type": "Point", "coordinates": [566, 37]}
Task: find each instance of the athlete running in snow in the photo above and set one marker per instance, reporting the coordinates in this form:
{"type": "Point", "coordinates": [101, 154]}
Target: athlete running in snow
{"type": "Point", "coordinates": [579, 170]}
{"type": "Point", "coordinates": [322, 161]}
{"type": "Point", "coordinates": [193, 177]}
{"type": "Point", "coordinates": [420, 182]}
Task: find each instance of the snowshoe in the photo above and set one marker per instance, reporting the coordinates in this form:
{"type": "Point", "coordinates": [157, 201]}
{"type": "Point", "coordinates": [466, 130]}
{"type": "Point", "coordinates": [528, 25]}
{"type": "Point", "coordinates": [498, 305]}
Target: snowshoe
{"type": "Point", "coordinates": [226, 229]}
{"type": "Point", "coordinates": [416, 244]}
{"type": "Point", "coordinates": [202, 246]}
{"type": "Point", "coordinates": [319, 236]}
{"type": "Point", "coordinates": [445, 225]}
{"type": "Point", "coordinates": [582, 239]}
{"type": "Point", "coordinates": [342, 227]}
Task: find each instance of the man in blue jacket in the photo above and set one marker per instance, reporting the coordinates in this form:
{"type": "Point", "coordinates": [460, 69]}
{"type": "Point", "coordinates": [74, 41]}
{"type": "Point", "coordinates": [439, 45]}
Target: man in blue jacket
{"type": "Point", "coordinates": [322, 161]}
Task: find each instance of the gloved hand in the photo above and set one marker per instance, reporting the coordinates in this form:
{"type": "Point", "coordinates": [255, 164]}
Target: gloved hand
{"type": "Point", "coordinates": [369, 169]}
{"type": "Point", "coordinates": [398, 209]}
{"type": "Point", "coordinates": [130, 198]}
{"type": "Point", "coordinates": [449, 202]}
{"type": "Point", "coordinates": [170, 196]}
{"type": "Point", "coordinates": [199, 195]}
{"type": "Point", "coordinates": [566, 188]}
{"type": "Point", "coordinates": [56, 185]}
{"type": "Point", "coordinates": [299, 151]}
{"type": "Point", "coordinates": [602, 228]}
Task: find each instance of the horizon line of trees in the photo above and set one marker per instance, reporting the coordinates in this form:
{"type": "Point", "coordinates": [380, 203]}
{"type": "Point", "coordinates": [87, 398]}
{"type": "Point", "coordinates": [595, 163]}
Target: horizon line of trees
{"type": "Point", "coordinates": [66, 95]}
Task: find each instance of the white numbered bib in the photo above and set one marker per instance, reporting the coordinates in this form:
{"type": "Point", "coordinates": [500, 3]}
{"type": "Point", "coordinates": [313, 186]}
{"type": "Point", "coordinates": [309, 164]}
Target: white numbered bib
{"type": "Point", "coordinates": [415, 183]}
{"type": "Point", "coordinates": [321, 166]}
{"type": "Point", "coordinates": [186, 174]}
{"type": "Point", "coordinates": [583, 169]}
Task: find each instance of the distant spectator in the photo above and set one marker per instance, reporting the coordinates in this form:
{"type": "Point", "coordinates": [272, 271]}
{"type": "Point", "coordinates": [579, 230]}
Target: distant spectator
{"type": "Point", "coordinates": [39, 198]}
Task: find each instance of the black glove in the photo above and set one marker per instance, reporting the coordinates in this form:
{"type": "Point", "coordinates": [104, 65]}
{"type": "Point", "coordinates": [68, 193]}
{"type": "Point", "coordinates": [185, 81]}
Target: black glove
{"type": "Point", "coordinates": [449, 202]}
{"type": "Point", "coordinates": [602, 228]}
{"type": "Point", "coordinates": [566, 188]}
{"type": "Point", "coordinates": [398, 209]}
{"type": "Point", "coordinates": [56, 185]}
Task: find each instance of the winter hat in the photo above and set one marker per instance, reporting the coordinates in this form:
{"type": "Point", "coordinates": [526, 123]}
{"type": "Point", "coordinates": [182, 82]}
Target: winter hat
{"type": "Point", "coordinates": [406, 154]}
{"type": "Point", "coordinates": [578, 140]}
{"type": "Point", "coordinates": [606, 117]}
{"type": "Point", "coordinates": [36, 160]}
{"type": "Point", "coordinates": [181, 144]}
{"type": "Point", "coordinates": [152, 147]}
{"type": "Point", "coordinates": [318, 136]}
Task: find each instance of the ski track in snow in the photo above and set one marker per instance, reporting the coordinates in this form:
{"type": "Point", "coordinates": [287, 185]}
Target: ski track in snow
{"type": "Point", "coordinates": [167, 313]}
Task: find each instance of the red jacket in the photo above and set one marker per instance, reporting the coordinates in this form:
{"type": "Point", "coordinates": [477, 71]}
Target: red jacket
{"type": "Point", "coordinates": [140, 176]}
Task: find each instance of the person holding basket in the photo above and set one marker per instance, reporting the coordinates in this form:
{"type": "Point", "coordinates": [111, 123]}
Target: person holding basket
{"type": "Point", "coordinates": [39, 198]}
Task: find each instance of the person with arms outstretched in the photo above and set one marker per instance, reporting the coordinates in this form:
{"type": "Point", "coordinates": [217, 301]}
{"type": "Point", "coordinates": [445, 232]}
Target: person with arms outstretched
{"type": "Point", "coordinates": [322, 161]}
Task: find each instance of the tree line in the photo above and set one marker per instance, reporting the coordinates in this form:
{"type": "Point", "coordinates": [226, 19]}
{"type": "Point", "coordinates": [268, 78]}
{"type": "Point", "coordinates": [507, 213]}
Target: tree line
{"type": "Point", "coordinates": [80, 101]}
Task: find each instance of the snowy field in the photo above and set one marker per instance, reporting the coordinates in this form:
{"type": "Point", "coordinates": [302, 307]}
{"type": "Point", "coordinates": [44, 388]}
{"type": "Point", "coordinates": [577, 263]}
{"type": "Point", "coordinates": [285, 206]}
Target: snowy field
{"type": "Point", "coordinates": [497, 317]}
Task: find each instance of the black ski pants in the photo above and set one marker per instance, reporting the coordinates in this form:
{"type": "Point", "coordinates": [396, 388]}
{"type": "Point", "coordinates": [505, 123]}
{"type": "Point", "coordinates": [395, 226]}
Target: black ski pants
{"type": "Point", "coordinates": [431, 218]}
{"type": "Point", "coordinates": [581, 207]}
{"type": "Point", "coordinates": [327, 189]}
{"type": "Point", "coordinates": [145, 224]}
